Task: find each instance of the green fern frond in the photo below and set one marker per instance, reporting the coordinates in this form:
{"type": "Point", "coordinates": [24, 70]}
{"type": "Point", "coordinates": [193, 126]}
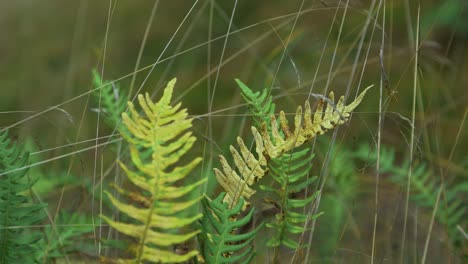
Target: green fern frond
{"type": "Point", "coordinates": [425, 187]}
{"type": "Point", "coordinates": [17, 214]}
{"type": "Point", "coordinates": [222, 242]}
{"type": "Point", "coordinates": [65, 238]}
{"type": "Point", "coordinates": [251, 168]}
{"type": "Point", "coordinates": [112, 100]}
{"type": "Point", "coordinates": [290, 173]}
{"type": "Point", "coordinates": [163, 132]}
{"type": "Point", "coordinates": [260, 104]}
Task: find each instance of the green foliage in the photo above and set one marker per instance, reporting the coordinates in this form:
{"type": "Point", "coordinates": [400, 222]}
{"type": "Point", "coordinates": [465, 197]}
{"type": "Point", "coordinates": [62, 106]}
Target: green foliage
{"type": "Point", "coordinates": [66, 237]}
{"type": "Point", "coordinates": [17, 213]}
{"type": "Point", "coordinates": [291, 174]}
{"type": "Point", "coordinates": [221, 239]}
{"type": "Point", "coordinates": [269, 145]}
{"type": "Point", "coordinates": [111, 99]}
{"type": "Point", "coordinates": [157, 211]}
{"type": "Point", "coordinates": [251, 168]}
{"type": "Point", "coordinates": [337, 198]}
{"type": "Point", "coordinates": [51, 181]}
{"type": "Point", "coordinates": [452, 14]}
{"type": "Point", "coordinates": [260, 104]}
{"type": "Point", "coordinates": [158, 224]}
{"type": "Point", "coordinates": [425, 188]}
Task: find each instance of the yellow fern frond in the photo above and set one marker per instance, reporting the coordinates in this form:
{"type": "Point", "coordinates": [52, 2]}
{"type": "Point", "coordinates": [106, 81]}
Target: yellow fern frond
{"type": "Point", "coordinates": [157, 140]}
{"type": "Point", "coordinates": [307, 127]}
{"type": "Point", "coordinates": [251, 168]}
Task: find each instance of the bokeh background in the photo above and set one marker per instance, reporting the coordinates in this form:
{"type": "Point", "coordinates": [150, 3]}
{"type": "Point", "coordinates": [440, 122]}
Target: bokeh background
{"type": "Point", "coordinates": [49, 48]}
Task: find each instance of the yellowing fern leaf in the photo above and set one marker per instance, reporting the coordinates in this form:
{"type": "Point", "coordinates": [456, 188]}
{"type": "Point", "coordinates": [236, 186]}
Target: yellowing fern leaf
{"type": "Point", "coordinates": [157, 140]}
{"type": "Point", "coordinates": [251, 168]}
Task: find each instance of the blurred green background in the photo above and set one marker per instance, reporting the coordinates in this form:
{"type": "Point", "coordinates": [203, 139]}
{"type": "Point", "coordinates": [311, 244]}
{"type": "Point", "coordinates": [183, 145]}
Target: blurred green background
{"type": "Point", "coordinates": [48, 49]}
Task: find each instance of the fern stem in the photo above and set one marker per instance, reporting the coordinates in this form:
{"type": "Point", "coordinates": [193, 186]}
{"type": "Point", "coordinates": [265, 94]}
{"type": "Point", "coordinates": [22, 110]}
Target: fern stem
{"type": "Point", "coordinates": [149, 218]}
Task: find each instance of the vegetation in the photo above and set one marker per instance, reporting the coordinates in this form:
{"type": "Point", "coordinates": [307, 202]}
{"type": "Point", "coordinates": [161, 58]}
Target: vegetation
{"type": "Point", "coordinates": [248, 158]}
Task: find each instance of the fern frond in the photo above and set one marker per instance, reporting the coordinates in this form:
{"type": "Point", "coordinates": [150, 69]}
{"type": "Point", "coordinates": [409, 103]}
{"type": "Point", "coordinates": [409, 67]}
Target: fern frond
{"type": "Point", "coordinates": [290, 173]}
{"type": "Point", "coordinates": [163, 132]}
{"type": "Point", "coordinates": [260, 104]}
{"type": "Point", "coordinates": [112, 100]}
{"type": "Point", "coordinates": [220, 226]}
{"type": "Point", "coordinates": [17, 214]}
{"type": "Point", "coordinates": [424, 187]}
{"type": "Point", "coordinates": [251, 168]}
{"type": "Point", "coordinates": [307, 126]}
{"type": "Point", "coordinates": [61, 240]}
